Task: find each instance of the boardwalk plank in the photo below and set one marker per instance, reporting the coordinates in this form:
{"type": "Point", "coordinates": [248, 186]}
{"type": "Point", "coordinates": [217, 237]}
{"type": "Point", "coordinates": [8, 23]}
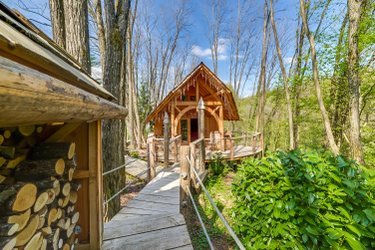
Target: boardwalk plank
{"type": "Point", "coordinates": [152, 220]}
{"type": "Point", "coordinates": [131, 227]}
{"type": "Point", "coordinates": [160, 239]}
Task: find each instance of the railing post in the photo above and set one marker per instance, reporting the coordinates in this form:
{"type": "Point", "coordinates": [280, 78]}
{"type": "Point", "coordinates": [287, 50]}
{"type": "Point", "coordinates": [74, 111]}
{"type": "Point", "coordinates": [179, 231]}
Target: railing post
{"type": "Point", "coordinates": [184, 178]}
{"type": "Point", "coordinates": [151, 157]}
{"type": "Point", "coordinates": [166, 139]}
{"type": "Point", "coordinates": [231, 149]}
{"type": "Point", "coordinates": [175, 150]}
{"type": "Point", "coordinates": [202, 148]}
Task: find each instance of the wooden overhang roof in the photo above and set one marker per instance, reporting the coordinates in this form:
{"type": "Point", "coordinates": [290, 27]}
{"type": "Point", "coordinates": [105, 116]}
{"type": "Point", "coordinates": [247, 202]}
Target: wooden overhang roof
{"type": "Point", "coordinates": [211, 81]}
{"type": "Point", "coordinates": [37, 65]}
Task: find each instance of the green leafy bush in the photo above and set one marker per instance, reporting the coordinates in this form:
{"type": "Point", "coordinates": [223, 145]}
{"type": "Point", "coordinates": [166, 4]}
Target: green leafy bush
{"type": "Point", "coordinates": [304, 200]}
{"type": "Point", "coordinates": [217, 166]}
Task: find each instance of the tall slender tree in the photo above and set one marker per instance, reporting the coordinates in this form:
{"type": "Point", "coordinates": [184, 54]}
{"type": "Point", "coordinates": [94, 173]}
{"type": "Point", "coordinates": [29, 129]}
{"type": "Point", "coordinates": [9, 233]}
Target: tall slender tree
{"type": "Point", "coordinates": [285, 78]}
{"type": "Point", "coordinates": [355, 12]}
{"type": "Point", "coordinates": [260, 123]}
{"type": "Point", "coordinates": [323, 111]}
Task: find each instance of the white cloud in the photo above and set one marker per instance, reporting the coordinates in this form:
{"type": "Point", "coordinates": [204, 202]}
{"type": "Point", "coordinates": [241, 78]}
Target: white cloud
{"type": "Point", "coordinates": [96, 72]}
{"type": "Point", "coordinates": [206, 52]}
{"type": "Point", "coordinates": [288, 60]}
{"type": "Point", "coordinates": [199, 51]}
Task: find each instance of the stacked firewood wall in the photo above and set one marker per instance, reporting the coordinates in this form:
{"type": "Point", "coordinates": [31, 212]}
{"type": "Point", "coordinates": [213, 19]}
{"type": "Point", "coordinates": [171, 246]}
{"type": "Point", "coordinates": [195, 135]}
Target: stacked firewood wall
{"type": "Point", "coordinates": [37, 191]}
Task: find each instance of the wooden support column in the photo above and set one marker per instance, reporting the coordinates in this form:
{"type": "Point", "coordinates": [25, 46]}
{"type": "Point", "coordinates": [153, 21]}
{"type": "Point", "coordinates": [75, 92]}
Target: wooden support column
{"type": "Point", "coordinates": [173, 129]}
{"type": "Point", "coordinates": [202, 151]}
{"type": "Point", "coordinates": [221, 127]}
{"type": "Point", "coordinates": [200, 110]}
{"type": "Point", "coordinates": [95, 185]}
{"type": "Point", "coordinates": [151, 156]}
{"type": "Point", "coordinates": [184, 178]}
{"type": "Point", "coordinates": [166, 139]}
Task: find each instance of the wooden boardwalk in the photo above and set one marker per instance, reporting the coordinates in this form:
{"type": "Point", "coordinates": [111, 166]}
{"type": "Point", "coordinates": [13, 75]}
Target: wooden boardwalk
{"type": "Point", "coordinates": [152, 220]}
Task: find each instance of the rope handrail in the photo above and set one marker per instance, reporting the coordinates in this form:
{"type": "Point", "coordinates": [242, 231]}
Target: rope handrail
{"type": "Point", "coordinates": [226, 224]}
{"type": "Point", "coordinates": [122, 189]}
{"type": "Point", "coordinates": [197, 141]}
{"type": "Point", "coordinates": [118, 168]}
{"type": "Point", "coordinates": [200, 220]}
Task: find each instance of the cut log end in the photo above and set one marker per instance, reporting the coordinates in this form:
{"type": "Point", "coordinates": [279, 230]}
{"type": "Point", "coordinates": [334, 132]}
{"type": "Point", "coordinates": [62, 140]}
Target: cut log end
{"type": "Point", "coordinates": [20, 219]}
{"type": "Point", "coordinates": [8, 244]}
{"type": "Point", "coordinates": [35, 242]}
{"type": "Point", "coordinates": [66, 189]}
{"type": "Point", "coordinates": [41, 201]}
{"type": "Point", "coordinates": [7, 134]}
{"type": "Point", "coordinates": [25, 235]}
{"type": "Point", "coordinates": [26, 130]}
{"type": "Point", "coordinates": [71, 151]}
{"type": "Point", "coordinates": [25, 198]}
{"type": "Point", "coordinates": [60, 166]}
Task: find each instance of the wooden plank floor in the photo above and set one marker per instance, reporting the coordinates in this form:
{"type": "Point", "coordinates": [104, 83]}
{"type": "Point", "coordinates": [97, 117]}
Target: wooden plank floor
{"type": "Point", "coordinates": [137, 167]}
{"type": "Point", "coordinates": [239, 152]}
{"type": "Point", "coordinates": [152, 220]}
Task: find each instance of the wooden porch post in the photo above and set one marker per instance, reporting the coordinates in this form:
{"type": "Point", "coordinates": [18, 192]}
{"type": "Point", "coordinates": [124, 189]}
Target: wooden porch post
{"type": "Point", "coordinates": [202, 156]}
{"type": "Point", "coordinates": [221, 127]}
{"type": "Point", "coordinates": [184, 178]}
{"type": "Point", "coordinates": [151, 157]}
{"type": "Point", "coordinates": [166, 139]}
{"type": "Point", "coordinates": [200, 110]}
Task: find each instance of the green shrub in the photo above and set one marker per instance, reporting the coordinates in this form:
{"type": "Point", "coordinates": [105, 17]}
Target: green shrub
{"type": "Point", "coordinates": [217, 166]}
{"type": "Point", "coordinates": [304, 200]}
{"type": "Point", "coordinates": [134, 154]}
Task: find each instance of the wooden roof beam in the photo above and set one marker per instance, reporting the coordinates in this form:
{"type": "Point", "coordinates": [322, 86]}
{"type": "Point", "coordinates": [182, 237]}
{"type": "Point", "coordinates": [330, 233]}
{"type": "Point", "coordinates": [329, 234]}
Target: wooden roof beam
{"type": "Point", "coordinates": [28, 96]}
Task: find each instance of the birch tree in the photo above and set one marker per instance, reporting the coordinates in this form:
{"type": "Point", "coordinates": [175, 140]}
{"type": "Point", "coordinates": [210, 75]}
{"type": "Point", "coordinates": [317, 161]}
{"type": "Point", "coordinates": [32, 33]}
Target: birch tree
{"type": "Point", "coordinates": [355, 11]}
{"type": "Point", "coordinates": [285, 78]}
{"type": "Point", "coordinates": [323, 111]}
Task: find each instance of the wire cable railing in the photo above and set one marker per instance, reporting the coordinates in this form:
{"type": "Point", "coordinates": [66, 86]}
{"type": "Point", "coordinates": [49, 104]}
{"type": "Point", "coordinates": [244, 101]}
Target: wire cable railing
{"type": "Point", "coordinates": [222, 218]}
{"type": "Point", "coordinates": [200, 220]}
{"type": "Point", "coordinates": [127, 184]}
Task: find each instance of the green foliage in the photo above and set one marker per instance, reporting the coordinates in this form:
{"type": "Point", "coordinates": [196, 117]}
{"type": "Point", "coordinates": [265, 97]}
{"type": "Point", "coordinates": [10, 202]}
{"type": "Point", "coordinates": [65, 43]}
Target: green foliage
{"type": "Point", "coordinates": [134, 154]}
{"type": "Point", "coordinates": [304, 200]}
{"type": "Point", "coordinates": [217, 166]}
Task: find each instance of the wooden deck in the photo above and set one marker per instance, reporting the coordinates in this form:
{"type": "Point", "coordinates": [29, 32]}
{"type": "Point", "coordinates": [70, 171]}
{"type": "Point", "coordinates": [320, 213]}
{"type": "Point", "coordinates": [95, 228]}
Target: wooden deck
{"type": "Point", "coordinates": [239, 152]}
{"type": "Point", "coordinates": [152, 220]}
{"type": "Point", "coordinates": [137, 167]}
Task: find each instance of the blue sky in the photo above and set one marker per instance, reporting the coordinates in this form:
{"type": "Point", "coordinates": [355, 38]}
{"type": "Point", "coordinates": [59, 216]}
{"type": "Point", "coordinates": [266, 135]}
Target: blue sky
{"type": "Point", "coordinates": [286, 12]}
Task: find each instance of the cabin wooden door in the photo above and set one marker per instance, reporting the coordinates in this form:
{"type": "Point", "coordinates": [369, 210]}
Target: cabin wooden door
{"type": "Point", "coordinates": [193, 129]}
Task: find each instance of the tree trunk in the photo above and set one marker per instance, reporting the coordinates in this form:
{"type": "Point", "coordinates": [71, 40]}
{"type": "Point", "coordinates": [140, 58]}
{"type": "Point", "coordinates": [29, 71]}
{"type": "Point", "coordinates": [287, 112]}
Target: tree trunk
{"type": "Point", "coordinates": [57, 21]}
{"type": "Point", "coordinates": [327, 124]}
{"type": "Point", "coordinates": [285, 79]}
{"type": "Point", "coordinates": [262, 78]}
{"type": "Point", "coordinates": [113, 131]}
{"type": "Point", "coordinates": [77, 32]}
{"type": "Point", "coordinates": [355, 11]}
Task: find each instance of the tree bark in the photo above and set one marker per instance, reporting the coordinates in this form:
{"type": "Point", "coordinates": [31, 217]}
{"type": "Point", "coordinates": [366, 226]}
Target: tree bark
{"type": "Point", "coordinates": [77, 32]}
{"type": "Point", "coordinates": [57, 21]}
{"type": "Point", "coordinates": [355, 11]}
{"type": "Point", "coordinates": [113, 131]}
{"type": "Point", "coordinates": [285, 79]}
{"type": "Point", "coordinates": [327, 124]}
{"type": "Point", "coordinates": [262, 77]}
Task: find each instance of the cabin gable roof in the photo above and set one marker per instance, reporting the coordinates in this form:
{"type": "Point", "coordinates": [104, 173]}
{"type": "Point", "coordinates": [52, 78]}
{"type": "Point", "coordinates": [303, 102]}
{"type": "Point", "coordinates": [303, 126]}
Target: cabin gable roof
{"type": "Point", "coordinates": [212, 85]}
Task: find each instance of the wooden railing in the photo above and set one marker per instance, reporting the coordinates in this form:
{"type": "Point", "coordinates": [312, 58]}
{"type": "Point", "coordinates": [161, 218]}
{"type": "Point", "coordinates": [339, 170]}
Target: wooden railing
{"type": "Point", "coordinates": [197, 159]}
{"type": "Point", "coordinates": [192, 172]}
{"type": "Point", "coordinates": [160, 152]}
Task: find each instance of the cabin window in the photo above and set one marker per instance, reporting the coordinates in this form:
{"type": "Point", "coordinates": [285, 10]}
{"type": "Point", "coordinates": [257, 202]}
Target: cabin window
{"type": "Point", "coordinates": [184, 130]}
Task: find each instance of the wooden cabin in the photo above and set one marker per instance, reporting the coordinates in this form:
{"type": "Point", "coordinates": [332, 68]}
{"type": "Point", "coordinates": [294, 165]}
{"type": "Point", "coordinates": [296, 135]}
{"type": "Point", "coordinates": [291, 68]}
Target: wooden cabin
{"type": "Point", "coordinates": [181, 106]}
{"type": "Point", "coordinates": [45, 97]}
